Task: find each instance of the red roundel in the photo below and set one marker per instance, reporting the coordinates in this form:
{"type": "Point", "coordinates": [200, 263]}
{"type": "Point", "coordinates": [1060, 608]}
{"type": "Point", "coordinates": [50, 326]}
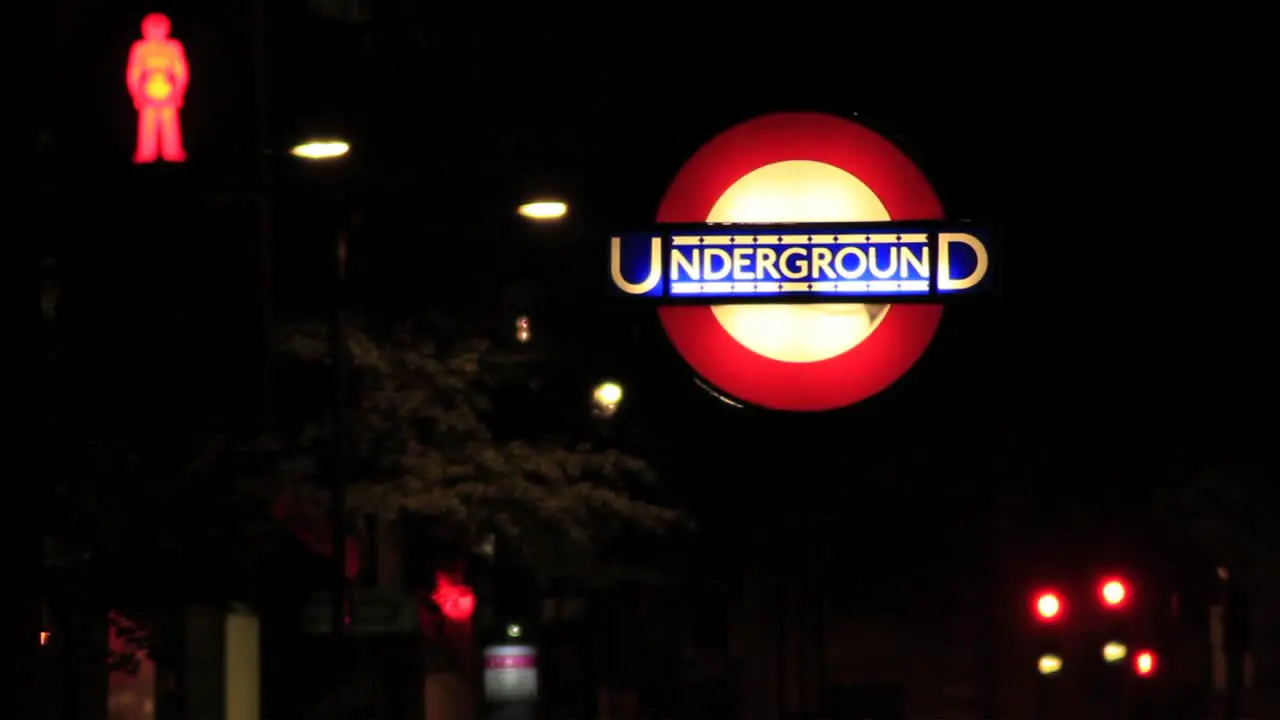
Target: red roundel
{"type": "Point", "coordinates": [798, 167]}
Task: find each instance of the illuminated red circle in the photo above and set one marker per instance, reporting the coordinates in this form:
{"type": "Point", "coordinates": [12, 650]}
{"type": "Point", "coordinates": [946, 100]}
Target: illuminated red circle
{"type": "Point", "coordinates": [1144, 663]}
{"type": "Point", "coordinates": [856, 374]}
{"type": "Point", "coordinates": [1048, 606]}
{"type": "Point", "coordinates": [1113, 593]}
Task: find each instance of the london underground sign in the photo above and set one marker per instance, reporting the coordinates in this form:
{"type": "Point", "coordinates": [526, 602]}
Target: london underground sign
{"type": "Point", "coordinates": [800, 262]}
{"type": "Point", "coordinates": [794, 261]}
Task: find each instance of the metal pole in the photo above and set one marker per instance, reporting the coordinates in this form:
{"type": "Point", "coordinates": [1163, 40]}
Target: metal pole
{"type": "Point", "coordinates": [780, 658]}
{"type": "Point", "coordinates": [262, 198]}
{"type": "Point", "coordinates": [992, 570]}
{"type": "Point", "coordinates": [1236, 641]}
{"type": "Point", "coordinates": [1040, 699]}
{"type": "Point", "coordinates": [338, 496]}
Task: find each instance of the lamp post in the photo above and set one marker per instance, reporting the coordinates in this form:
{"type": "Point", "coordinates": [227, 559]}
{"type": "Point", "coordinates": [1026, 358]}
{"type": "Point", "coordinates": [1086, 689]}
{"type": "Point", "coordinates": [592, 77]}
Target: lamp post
{"type": "Point", "coordinates": [541, 218]}
{"type": "Point", "coordinates": [327, 150]}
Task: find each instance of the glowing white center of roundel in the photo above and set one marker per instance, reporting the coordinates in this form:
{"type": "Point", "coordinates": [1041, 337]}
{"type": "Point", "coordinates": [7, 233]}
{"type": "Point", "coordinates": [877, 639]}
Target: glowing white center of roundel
{"type": "Point", "coordinates": [797, 191]}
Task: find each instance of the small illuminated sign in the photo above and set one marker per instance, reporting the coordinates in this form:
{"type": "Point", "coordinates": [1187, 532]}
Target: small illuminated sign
{"type": "Point", "coordinates": [881, 261]}
{"type": "Point", "coordinates": [510, 673]}
{"type": "Point", "coordinates": [800, 262]}
{"type": "Point", "coordinates": [157, 78]}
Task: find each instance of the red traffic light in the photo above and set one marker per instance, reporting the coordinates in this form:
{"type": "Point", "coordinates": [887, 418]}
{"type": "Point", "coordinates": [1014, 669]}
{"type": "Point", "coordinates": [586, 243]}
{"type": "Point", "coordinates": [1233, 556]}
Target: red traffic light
{"type": "Point", "coordinates": [1113, 593]}
{"type": "Point", "coordinates": [457, 601]}
{"type": "Point", "coordinates": [1048, 606]}
{"type": "Point", "coordinates": [1144, 663]}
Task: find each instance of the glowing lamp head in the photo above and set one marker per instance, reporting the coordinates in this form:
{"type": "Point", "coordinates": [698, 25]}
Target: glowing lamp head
{"type": "Point", "coordinates": [320, 149]}
{"type": "Point", "coordinates": [1114, 651]}
{"type": "Point", "coordinates": [1048, 606]}
{"type": "Point", "coordinates": [1144, 663]}
{"type": "Point", "coordinates": [514, 630]}
{"type": "Point", "coordinates": [1114, 593]}
{"type": "Point", "coordinates": [1049, 664]}
{"type": "Point", "coordinates": [543, 210]}
{"type": "Point", "coordinates": [606, 398]}
{"type": "Point", "coordinates": [457, 601]}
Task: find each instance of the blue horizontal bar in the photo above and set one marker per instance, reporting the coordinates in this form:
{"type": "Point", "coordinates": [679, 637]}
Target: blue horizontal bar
{"type": "Point", "coordinates": [728, 262]}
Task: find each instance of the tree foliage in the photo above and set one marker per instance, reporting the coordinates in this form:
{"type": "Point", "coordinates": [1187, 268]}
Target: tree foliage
{"type": "Point", "coordinates": [1227, 513]}
{"type": "Point", "coordinates": [133, 519]}
{"type": "Point", "coordinates": [423, 441]}
{"type": "Point", "coordinates": [144, 514]}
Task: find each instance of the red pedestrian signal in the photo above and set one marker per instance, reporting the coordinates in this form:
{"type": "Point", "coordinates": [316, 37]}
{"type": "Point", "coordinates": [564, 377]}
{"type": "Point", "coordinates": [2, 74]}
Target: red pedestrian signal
{"type": "Point", "coordinates": [157, 78]}
{"type": "Point", "coordinates": [1048, 606]}
{"type": "Point", "coordinates": [1113, 593]}
{"type": "Point", "coordinates": [1144, 663]}
{"type": "Point", "coordinates": [457, 601]}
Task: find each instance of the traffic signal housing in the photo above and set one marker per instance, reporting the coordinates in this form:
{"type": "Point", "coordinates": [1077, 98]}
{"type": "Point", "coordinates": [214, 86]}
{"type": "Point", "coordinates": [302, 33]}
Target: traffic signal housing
{"type": "Point", "coordinates": [1047, 611]}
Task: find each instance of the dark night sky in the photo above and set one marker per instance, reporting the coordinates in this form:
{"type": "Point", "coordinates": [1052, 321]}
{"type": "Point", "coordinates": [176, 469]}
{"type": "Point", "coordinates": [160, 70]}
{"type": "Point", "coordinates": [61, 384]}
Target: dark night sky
{"type": "Point", "coordinates": [1124, 159]}
{"type": "Point", "coordinates": [1109, 154]}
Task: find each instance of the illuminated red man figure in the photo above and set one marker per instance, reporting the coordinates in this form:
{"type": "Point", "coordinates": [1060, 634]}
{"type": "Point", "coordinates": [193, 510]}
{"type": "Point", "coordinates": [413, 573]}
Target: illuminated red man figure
{"type": "Point", "coordinates": [157, 79]}
{"type": "Point", "coordinates": [457, 601]}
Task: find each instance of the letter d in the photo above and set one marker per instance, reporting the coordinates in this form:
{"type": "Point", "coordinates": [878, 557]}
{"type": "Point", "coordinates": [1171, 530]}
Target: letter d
{"type": "Point", "coordinates": [655, 267]}
{"type": "Point", "coordinates": [946, 283]}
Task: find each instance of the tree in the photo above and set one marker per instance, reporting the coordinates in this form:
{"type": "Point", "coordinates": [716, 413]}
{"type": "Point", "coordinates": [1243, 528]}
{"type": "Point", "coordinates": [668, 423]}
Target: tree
{"type": "Point", "coordinates": [139, 517]}
{"type": "Point", "coordinates": [1226, 513]}
{"type": "Point", "coordinates": [428, 438]}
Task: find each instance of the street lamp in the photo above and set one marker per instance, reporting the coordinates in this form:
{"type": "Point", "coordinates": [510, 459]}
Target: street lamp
{"type": "Point", "coordinates": [606, 398]}
{"type": "Point", "coordinates": [324, 150]}
{"type": "Point", "coordinates": [543, 210]}
{"type": "Point", "coordinates": [328, 149]}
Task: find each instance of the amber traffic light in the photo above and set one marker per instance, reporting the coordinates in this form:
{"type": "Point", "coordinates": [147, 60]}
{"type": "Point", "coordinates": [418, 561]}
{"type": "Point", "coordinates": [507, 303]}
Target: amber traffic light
{"type": "Point", "coordinates": [1114, 651]}
{"type": "Point", "coordinates": [1049, 664]}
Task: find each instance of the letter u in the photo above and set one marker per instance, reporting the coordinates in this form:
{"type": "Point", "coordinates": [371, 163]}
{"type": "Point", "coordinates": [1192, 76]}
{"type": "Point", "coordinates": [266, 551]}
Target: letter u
{"type": "Point", "coordinates": [655, 267]}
